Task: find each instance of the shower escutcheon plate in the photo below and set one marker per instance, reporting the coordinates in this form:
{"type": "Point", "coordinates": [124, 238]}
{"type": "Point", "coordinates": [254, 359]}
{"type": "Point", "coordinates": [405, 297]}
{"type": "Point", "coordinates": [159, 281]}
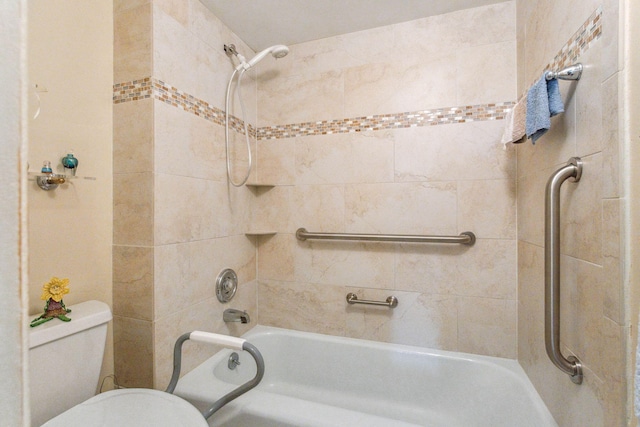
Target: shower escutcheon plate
{"type": "Point", "coordinates": [226, 285]}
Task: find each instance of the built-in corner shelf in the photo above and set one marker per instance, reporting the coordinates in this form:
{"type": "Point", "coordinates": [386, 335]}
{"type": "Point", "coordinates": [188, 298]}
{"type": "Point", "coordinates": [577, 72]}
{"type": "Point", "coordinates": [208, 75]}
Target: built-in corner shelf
{"type": "Point", "coordinates": [259, 185]}
{"type": "Point", "coordinates": [261, 233]}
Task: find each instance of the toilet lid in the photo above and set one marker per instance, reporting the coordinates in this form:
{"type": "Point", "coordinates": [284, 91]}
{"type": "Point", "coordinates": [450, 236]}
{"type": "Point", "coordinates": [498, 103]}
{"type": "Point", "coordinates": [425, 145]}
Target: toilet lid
{"type": "Point", "coordinates": [131, 407]}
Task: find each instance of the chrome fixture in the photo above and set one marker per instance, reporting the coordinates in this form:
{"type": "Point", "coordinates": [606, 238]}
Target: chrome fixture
{"type": "Point", "coordinates": [233, 315]}
{"type": "Point", "coordinates": [277, 51]}
{"type": "Point", "coordinates": [572, 72]}
{"type": "Point", "coordinates": [226, 285]}
{"type": "Point", "coordinates": [234, 360]}
{"type": "Point", "coordinates": [390, 302]}
{"type": "Point", "coordinates": [50, 181]}
{"type": "Point", "coordinates": [571, 365]}
{"type": "Point", "coordinates": [466, 238]}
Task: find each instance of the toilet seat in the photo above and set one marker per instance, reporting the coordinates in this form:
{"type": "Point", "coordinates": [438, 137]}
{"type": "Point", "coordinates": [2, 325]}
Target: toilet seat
{"type": "Point", "coordinates": [131, 407]}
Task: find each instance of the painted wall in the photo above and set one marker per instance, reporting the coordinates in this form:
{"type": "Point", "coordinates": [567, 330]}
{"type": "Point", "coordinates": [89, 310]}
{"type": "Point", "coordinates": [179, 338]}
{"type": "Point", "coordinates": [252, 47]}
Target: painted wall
{"type": "Point", "coordinates": [13, 390]}
{"type": "Point", "coordinates": [70, 58]}
{"type": "Point", "coordinates": [177, 223]}
{"type": "Point", "coordinates": [594, 322]}
{"type": "Point", "coordinates": [377, 132]}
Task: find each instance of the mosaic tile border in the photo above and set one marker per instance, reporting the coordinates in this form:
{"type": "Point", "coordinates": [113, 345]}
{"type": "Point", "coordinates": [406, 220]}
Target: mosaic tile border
{"type": "Point", "coordinates": [153, 88]}
{"type": "Point", "coordinates": [439, 116]}
{"type": "Point", "coordinates": [578, 43]}
{"type": "Point", "coordinates": [150, 87]}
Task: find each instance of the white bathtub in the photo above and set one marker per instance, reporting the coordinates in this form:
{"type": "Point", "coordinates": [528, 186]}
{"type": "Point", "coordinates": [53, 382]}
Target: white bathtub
{"type": "Point", "coordinates": [320, 380]}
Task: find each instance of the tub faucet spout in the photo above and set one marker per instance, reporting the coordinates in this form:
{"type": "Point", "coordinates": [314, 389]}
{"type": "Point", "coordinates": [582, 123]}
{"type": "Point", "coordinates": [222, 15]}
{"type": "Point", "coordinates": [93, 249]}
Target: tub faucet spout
{"type": "Point", "coordinates": [233, 315]}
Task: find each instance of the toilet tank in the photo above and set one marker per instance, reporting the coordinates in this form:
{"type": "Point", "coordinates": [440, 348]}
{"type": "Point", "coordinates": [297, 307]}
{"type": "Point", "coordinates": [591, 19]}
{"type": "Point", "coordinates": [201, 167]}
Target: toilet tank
{"type": "Point", "coordinates": [65, 359]}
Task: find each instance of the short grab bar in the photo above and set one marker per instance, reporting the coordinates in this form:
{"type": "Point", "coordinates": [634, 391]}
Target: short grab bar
{"type": "Point", "coordinates": [572, 365]}
{"type": "Point", "coordinates": [390, 302]}
{"type": "Point", "coordinates": [226, 341]}
{"type": "Point", "coordinates": [465, 238]}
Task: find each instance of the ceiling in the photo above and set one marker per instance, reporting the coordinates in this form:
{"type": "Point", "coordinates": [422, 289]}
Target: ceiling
{"type": "Point", "coordinates": [263, 23]}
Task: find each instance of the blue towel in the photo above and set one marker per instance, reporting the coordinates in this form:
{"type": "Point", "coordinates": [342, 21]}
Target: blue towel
{"type": "Point", "coordinates": [543, 102]}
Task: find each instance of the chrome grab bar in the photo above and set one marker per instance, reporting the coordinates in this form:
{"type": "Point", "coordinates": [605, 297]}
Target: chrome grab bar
{"type": "Point", "coordinates": [466, 238]}
{"type": "Point", "coordinates": [570, 366]}
{"type": "Point", "coordinates": [390, 302]}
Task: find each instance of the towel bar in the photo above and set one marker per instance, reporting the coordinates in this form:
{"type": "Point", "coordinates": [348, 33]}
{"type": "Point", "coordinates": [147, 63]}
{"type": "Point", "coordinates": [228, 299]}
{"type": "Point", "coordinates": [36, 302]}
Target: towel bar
{"type": "Point", "coordinates": [572, 72]}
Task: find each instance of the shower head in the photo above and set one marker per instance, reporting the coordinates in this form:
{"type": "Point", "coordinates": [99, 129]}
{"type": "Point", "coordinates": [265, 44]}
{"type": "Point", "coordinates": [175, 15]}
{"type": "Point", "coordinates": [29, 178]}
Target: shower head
{"type": "Point", "coordinates": [277, 51]}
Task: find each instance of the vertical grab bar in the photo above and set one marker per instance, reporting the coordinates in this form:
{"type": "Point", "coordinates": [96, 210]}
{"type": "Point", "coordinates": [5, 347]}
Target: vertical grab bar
{"type": "Point", "coordinates": [571, 366]}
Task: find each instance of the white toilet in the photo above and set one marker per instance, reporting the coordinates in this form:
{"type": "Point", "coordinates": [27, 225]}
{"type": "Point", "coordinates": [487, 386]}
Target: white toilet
{"type": "Point", "coordinates": [64, 366]}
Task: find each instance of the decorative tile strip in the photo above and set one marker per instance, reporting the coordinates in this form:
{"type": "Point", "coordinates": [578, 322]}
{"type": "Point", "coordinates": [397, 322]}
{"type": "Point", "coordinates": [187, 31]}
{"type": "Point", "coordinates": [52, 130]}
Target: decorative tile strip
{"type": "Point", "coordinates": [439, 116]}
{"type": "Point", "coordinates": [157, 89]}
{"type": "Point", "coordinates": [151, 87]}
{"type": "Point", "coordinates": [578, 44]}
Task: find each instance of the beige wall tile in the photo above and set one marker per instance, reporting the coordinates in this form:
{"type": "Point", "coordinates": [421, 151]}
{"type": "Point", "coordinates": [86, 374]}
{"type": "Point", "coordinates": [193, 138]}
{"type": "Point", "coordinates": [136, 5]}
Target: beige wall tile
{"type": "Point", "coordinates": [276, 161]}
{"type": "Point", "coordinates": [611, 138]}
{"type": "Point", "coordinates": [203, 316]}
{"type": "Point", "coordinates": [487, 326]}
{"type": "Point", "coordinates": [273, 209]}
{"type": "Point", "coordinates": [187, 145]}
{"type": "Point", "coordinates": [589, 103]}
{"type": "Point", "coordinates": [133, 209]}
{"type": "Point", "coordinates": [133, 137]}
{"type": "Point", "coordinates": [581, 213]}
{"type": "Point", "coordinates": [318, 208]}
{"type": "Point", "coordinates": [376, 88]}
{"type": "Point", "coordinates": [369, 265]}
{"type": "Point", "coordinates": [531, 347]}
{"type": "Point", "coordinates": [472, 62]}
{"type": "Point", "coordinates": [436, 315]}
{"type": "Point", "coordinates": [276, 257]}
{"type": "Point", "coordinates": [286, 100]}
{"type": "Point", "coordinates": [133, 352]}
{"type": "Point", "coordinates": [487, 208]}
{"type": "Point", "coordinates": [463, 28]}
{"type": "Point", "coordinates": [612, 255]}
{"type": "Point", "coordinates": [132, 44]}
{"type": "Point", "coordinates": [133, 282]}
{"type": "Point", "coordinates": [453, 152]}
{"type": "Point", "coordinates": [403, 208]}
{"type": "Point", "coordinates": [303, 307]}
{"type": "Point", "coordinates": [487, 269]}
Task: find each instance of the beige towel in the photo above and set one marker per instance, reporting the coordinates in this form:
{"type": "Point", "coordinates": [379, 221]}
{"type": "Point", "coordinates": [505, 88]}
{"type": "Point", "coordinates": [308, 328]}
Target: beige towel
{"type": "Point", "coordinates": [514, 130]}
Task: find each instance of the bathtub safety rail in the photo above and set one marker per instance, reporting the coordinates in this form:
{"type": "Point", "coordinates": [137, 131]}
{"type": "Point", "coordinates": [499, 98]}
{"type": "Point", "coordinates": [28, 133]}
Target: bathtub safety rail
{"type": "Point", "coordinates": [571, 365]}
{"type": "Point", "coordinates": [465, 238]}
{"type": "Point", "coordinates": [391, 301]}
{"type": "Point", "coordinates": [228, 342]}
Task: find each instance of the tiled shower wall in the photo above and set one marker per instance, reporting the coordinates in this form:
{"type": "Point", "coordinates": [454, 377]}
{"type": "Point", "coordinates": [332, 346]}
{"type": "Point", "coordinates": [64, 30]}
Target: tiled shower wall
{"type": "Point", "coordinates": [414, 148]}
{"type": "Point", "coordinates": [593, 319]}
{"type": "Point", "coordinates": [176, 222]}
{"type": "Point", "coordinates": [346, 142]}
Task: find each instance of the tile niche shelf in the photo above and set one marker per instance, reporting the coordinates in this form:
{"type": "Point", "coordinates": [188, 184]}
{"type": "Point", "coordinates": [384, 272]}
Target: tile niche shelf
{"type": "Point", "coordinates": [260, 233]}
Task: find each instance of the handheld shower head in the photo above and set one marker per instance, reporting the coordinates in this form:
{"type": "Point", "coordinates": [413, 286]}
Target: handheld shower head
{"type": "Point", "coordinates": [277, 51]}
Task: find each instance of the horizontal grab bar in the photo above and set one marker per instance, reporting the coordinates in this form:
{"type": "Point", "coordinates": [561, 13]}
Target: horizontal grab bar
{"type": "Point", "coordinates": [466, 238]}
{"type": "Point", "coordinates": [390, 302]}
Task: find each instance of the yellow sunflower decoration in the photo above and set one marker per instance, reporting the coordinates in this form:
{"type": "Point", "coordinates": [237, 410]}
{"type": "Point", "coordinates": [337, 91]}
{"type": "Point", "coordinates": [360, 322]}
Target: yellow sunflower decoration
{"type": "Point", "coordinates": [55, 289]}
{"type": "Point", "coordinates": [52, 293]}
